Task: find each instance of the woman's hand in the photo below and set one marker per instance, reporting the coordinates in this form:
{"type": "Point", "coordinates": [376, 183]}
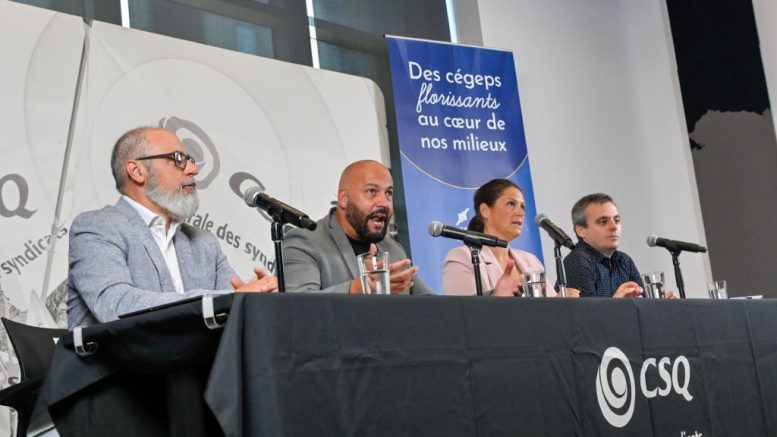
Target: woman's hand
{"type": "Point", "coordinates": [507, 285]}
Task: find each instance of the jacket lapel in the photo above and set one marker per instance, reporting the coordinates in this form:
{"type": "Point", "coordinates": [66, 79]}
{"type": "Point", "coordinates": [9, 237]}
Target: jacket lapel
{"type": "Point", "coordinates": [183, 250]}
{"type": "Point", "coordinates": [489, 268]}
{"type": "Point", "coordinates": [142, 232]}
{"type": "Point", "coordinates": [341, 241]}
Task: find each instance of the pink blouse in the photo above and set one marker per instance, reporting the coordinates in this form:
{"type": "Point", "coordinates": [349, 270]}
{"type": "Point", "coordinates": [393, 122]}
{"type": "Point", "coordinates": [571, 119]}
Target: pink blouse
{"type": "Point", "coordinates": [458, 276]}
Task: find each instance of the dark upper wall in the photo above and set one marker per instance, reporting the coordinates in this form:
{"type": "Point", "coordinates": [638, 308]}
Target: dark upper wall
{"type": "Point", "coordinates": [731, 130]}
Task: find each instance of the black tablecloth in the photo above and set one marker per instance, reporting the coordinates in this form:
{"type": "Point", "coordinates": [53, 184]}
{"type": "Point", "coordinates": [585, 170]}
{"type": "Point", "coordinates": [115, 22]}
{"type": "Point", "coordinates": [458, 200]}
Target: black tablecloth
{"type": "Point", "coordinates": [310, 365]}
{"type": "Point", "coordinates": [145, 379]}
{"type": "Point", "coordinates": [433, 366]}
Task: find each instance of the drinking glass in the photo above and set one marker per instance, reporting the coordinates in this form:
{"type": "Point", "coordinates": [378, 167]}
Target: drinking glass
{"type": "Point", "coordinates": [374, 272]}
{"type": "Point", "coordinates": [533, 284]}
{"type": "Point", "coordinates": [717, 290]}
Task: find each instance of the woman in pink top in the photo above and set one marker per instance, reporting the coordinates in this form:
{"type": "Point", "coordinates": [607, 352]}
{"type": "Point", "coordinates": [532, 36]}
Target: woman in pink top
{"type": "Point", "coordinates": [499, 211]}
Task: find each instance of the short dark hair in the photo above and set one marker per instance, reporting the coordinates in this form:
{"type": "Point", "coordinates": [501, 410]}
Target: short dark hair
{"type": "Point", "coordinates": [488, 193]}
{"type": "Point", "coordinates": [578, 210]}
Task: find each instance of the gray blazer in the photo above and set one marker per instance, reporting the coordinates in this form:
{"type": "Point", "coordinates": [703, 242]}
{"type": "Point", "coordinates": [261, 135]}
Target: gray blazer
{"type": "Point", "coordinates": [115, 266]}
{"type": "Point", "coordinates": [323, 260]}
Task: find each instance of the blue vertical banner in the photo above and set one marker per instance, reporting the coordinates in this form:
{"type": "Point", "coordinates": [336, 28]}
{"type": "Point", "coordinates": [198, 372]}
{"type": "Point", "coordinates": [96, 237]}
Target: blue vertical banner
{"type": "Point", "coordinates": [460, 125]}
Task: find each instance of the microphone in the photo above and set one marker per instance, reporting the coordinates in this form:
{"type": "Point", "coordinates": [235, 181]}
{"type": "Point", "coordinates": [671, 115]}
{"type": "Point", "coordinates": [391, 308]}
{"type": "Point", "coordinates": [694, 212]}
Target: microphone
{"type": "Point", "coordinates": [557, 234]}
{"type": "Point", "coordinates": [674, 245]}
{"type": "Point", "coordinates": [255, 198]}
{"type": "Point", "coordinates": [437, 229]}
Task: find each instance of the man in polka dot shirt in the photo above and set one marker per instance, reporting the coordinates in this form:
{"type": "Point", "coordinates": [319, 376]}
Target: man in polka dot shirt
{"type": "Point", "coordinates": [596, 267]}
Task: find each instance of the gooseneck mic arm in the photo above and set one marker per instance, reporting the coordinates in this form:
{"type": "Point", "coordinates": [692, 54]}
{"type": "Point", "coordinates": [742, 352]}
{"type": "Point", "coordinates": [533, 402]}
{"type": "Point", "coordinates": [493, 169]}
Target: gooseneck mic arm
{"type": "Point", "coordinates": [278, 210]}
{"type": "Point", "coordinates": [556, 233]}
{"type": "Point", "coordinates": [437, 229]}
{"type": "Point", "coordinates": [474, 240]}
{"type": "Point", "coordinates": [676, 247]}
{"type": "Point", "coordinates": [281, 214]}
{"type": "Point", "coordinates": [560, 238]}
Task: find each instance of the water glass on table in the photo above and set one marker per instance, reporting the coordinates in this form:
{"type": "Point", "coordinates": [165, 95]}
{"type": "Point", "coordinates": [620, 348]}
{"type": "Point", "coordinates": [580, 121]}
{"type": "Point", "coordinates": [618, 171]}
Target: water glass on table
{"type": "Point", "coordinates": [533, 284]}
{"type": "Point", "coordinates": [717, 290]}
{"type": "Point", "coordinates": [374, 272]}
{"type": "Point", "coordinates": [654, 284]}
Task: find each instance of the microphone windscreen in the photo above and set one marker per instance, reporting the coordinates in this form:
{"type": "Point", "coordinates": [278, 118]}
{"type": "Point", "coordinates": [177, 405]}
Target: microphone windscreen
{"type": "Point", "coordinates": [250, 194]}
{"type": "Point", "coordinates": [651, 240]}
{"type": "Point", "coordinates": [435, 229]}
{"type": "Point", "coordinates": [540, 218]}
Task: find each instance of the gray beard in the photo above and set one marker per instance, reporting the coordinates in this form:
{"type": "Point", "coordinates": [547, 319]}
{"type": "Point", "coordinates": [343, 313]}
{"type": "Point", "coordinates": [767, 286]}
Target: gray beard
{"type": "Point", "coordinates": [177, 204]}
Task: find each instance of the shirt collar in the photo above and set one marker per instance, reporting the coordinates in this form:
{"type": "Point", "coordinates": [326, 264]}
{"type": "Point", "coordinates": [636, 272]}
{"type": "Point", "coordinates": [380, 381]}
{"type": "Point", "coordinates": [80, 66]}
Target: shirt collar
{"type": "Point", "coordinates": [150, 219]}
{"type": "Point", "coordinates": [596, 254]}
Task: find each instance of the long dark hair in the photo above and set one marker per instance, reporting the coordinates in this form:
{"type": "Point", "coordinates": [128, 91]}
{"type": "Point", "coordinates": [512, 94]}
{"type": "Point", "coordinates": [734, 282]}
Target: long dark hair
{"type": "Point", "coordinates": [488, 193]}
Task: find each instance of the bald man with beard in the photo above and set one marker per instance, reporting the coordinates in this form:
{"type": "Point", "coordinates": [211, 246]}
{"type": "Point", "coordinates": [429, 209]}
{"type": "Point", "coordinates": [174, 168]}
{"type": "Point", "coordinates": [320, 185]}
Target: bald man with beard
{"type": "Point", "coordinates": [325, 260]}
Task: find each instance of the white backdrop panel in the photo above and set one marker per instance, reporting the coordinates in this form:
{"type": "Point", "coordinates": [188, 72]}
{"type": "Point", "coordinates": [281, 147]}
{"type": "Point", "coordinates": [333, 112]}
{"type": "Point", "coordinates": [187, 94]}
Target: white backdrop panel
{"type": "Point", "coordinates": [603, 113]}
{"type": "Point", "coordinates": [292, 128]}
{"type": "Point", "coordinates": [40, 52]}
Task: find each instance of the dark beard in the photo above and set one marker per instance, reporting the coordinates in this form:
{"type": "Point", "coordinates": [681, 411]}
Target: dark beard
{"type": "Point", "coordinates": [359, 223]}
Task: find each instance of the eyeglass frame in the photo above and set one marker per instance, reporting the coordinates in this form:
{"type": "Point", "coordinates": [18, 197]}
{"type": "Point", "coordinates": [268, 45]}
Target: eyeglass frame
{"type": "Point", "coordinates": [180, 159]}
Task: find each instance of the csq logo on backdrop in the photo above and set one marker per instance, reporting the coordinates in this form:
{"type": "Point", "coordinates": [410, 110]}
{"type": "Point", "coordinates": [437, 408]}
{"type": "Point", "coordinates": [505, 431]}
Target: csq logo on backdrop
{"type": "Point", "coordinates": [192, 136]}
{"type": "Point", "coordinates": [615, 385]}
{"type": "Point", "coordinates": [23, 191]}
{"type": "Point", "coordinates": [210, 169]}
{"type": "Point", "coordinates": [199, 142]}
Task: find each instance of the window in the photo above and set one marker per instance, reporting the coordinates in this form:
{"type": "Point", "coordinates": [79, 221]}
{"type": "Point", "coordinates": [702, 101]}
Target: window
{"type": "Point", "coordinates": [108, 11]}
{"type": "Point", "coordinates": [271, 28]}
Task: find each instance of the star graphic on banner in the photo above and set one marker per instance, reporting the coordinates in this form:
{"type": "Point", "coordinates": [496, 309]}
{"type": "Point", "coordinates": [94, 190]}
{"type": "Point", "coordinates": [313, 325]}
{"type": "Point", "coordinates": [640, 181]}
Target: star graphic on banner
{"type": "Point", "coordinates": [462, 217]}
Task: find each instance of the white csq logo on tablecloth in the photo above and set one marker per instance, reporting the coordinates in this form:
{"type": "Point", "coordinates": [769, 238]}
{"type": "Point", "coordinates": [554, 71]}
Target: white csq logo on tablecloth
{"type": "Point", "coordinates": [615, 386]}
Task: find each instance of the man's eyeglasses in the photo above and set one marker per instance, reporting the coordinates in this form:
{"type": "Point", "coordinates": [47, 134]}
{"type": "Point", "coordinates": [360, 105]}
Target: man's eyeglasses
{"type": "Point", "coordinates": [178, 158]}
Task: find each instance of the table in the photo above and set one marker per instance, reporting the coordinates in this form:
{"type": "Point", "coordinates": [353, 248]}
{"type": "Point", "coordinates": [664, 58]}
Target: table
{"type": "Point", "coordinates": [145, 379]}
{"type": "Point", "coordinates": [301, 365]}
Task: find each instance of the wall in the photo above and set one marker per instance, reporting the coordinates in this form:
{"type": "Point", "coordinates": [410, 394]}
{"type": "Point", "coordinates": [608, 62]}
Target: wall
{"type": "Point", "coordinates": [766, 21]}
{"type": "Point", "coordinates": [603, 112]}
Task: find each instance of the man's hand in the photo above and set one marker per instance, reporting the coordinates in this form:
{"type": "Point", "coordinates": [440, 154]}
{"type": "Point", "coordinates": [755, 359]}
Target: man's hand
{"type": "Point", "coordinates": [628, 289]}
{"type": "Point", "coordinates": [400, 278]}
{"type": "Point", "coordinates": [401, 275]}
{"type": "Point", "coordinates": [669, 294]}
{"type": "Point", "coordinates": [355, 287]}
{"type": "Point", "coordinates": [262, 283]}
{"type": "Point", "coordinates": [507, 285]}
{"type": "Point", "coordinates": [571, 292]}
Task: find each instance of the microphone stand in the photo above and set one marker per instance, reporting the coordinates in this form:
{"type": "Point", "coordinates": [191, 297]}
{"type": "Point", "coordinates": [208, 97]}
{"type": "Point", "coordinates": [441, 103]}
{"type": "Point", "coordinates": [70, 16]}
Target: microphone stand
{"type": "Point", "coordinates": [561, 274]}
{"type": "Point", "coordinates": [678, 274]}
{"type": "Point", "coordinates": [277, 239]}
{"type": "Point", "coordinates": [474, 251]}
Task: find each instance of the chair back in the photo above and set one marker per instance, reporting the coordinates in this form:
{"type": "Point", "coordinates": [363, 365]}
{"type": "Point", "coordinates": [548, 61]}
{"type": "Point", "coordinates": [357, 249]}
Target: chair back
{"type": "Point", "coordinates": [33, 346]}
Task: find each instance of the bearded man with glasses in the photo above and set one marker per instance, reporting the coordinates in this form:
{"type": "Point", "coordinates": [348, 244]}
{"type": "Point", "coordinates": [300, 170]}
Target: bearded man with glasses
{"type": "Point", "coordinates": [140, 253]}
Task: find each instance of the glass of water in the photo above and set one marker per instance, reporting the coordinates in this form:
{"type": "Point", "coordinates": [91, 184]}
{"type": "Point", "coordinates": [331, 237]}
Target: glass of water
{"type": "Point", "coordinates": [533, 284]}
{"type": "Point", "coordinates": [717, 290]}
{"type": "Point", "coordinates": [374, 272]}
{"type": "Point", "coordinates": [654, 284]}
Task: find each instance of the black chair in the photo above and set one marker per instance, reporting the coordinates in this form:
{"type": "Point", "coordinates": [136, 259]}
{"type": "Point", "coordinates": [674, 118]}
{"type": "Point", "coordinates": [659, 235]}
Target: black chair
{"type": "Point", "coordinates": [34, 347]}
